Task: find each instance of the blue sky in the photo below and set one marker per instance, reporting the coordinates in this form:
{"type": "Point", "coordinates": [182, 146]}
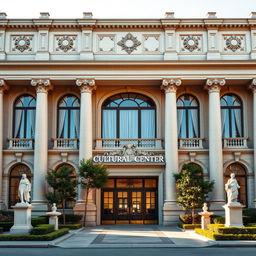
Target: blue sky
{"type": "Point", "coordinates": [127, 8]}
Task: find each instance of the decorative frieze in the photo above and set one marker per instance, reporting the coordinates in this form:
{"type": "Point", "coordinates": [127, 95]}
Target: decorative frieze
{"type": "Point", "coordinates": [234, 43]}
{"type": "Point", "coordinates": [170, 85]}
{"type": "Point", "coordinates": [22, 43]}
{"type": "Point", "coordinates": [41, 85]}
{"type": "Point", "coordinates": [106, 43]}
{"type": "Point", "coordinates": [129, 43]}
{"type": "Point", "coordinates": [191, 43]}
{"type": "Point", "coordinates": [86, 85]}
{"type": "Point", "coordinates": [152, 43]}
{"type": "Point", "coordinates": [65, 43]}
{"type": "Point", "coordinates": [214, 84]}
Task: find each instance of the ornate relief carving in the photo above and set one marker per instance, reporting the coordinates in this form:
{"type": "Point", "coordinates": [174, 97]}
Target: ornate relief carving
{"type": "Point", "coordinates": [42, 85]}
{"type": "Point", "coordinates": [106, 43]}
{"type": "Point", "coordinates": [22, 43]}
{"type": "Point", "coordinates": [252, 86]}
{"type": "Point", "coordinates": [86, 85]}
{"type": "Point", "coordinates": [170, 85]}
{"type": "Point", "coordinates": [233, 43]}
{"type": "Point", "coordinates": [151, 43]}
{"type": "Point", "coordinates": [191, 43]}
{"type": "Point", "coordinates": [65, 43]}
{"type": "Point", "coordinates": [129, 43]}
{"type": "Point", "coordinates": [3, 86]}
{"type": "Point", "coordinates": [214, 84]}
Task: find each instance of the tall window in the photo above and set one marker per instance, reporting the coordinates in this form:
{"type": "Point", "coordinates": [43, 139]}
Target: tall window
{"type": "Point", "coordinates": [128, 116]}
{"type": "Point", "coordinates": [15, 176]}
{"type": "Point", "coordinates": [188, 116]}
{"type": "Point", "coordinates": [68, 117]}
{"type": "Point", "coordinates": [231, 116]}
{"type": "Point", "coordinates": [24, 117]}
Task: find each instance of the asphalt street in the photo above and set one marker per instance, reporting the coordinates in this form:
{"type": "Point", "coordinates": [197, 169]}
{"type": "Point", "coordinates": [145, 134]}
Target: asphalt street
{"type": "Point", "coordinates": [251, 251]}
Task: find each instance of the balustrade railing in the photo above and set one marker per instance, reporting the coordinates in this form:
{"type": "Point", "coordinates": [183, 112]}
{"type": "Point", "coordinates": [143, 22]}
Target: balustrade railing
{"type": "Point", "coordinates": [16, 143]}
{"type": "Point", "coordinates": [191, 143]}
{"type": "Point", "coordinates": [120, 143]}
{"type": "Point", "coordinates": [234, 142]}
{"type": "Point", "coordinates": [61, 143]}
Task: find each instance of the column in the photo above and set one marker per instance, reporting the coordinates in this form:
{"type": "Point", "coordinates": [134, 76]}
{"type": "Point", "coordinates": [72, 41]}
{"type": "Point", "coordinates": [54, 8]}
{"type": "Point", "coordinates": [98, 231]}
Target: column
{"type": "Point", "coordinates": [3, 87]}
{"type": "Point", "coordinates": [253, 88]}
{"type": "Point", "coordinates": [86, 87]}
{"type": "Point", "coordinates": [41, 146]}
{"type": "Point", "coordinates": [215, 143]}
{"type": "Point", "coordinates": [170, 214]}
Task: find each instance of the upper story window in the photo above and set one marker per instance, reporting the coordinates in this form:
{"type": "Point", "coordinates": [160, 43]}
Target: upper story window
{"type": "Point", "coordinates": [24, 117]}
{"type": "Point", "coordinates": [68, 117]}
{"type": "Point", "coordinates": [231, 116]}
{"type": "Point", "coordinates": [188, 116]}
{"type": "Point", "coordinates": [128, 116]}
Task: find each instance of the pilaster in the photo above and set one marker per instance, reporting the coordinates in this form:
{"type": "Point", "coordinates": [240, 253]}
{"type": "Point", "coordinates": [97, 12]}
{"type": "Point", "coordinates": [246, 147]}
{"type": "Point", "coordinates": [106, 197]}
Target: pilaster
{"type": "Point", "coordinates": [2, 44]}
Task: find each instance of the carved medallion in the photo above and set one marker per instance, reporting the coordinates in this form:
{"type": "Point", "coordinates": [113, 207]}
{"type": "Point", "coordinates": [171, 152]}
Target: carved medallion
{"type": "Point", "coordinates": [65, 43]}
{"type": "Point", "coordinates": [22, 43]}
{"type": "Point", "coordinates": [233, 43]}
{"type": "Point", "coordinates": [129, 43]}
{"type": "Point", "coordinates": [191, 43]}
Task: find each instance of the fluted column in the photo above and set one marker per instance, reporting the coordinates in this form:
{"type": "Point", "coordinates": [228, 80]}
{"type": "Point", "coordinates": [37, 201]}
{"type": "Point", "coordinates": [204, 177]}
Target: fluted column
{"type": "Point", "coordinates": [253, 88]}
{"type": "Point", "coordinates": [3, 87]}
{"type": "Point", "coordinates": [41, 145]}
{"type": "Point", "coordinates": [215, 142]}
{"type": "Point", "coordinates": [171, 149]}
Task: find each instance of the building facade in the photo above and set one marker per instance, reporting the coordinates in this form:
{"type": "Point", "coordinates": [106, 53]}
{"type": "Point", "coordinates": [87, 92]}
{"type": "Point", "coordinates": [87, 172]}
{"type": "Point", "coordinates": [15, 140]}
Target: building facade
{"type": "Point", "coordinates": [143, 96]}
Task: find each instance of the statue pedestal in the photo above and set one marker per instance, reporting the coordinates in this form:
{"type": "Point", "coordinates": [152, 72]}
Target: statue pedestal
{"type": "Point", "coordinates": [205, 219]}
{"type": "Point", "coordinates": [234, 215]}
{"type": "Point", "coordinates": [22, 219]}
{"type": "Point", "coordinates": [53, 219]}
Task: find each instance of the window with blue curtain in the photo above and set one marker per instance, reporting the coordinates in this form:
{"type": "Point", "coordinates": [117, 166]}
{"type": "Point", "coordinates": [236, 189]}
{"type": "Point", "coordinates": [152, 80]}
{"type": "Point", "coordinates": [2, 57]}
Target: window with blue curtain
{"type": "Point", "coordinates": [24, 117]}
{"type": "Point", "coordinates": [188, 117]}
{"type": "Point", "coordinates": [68, 117]}
{"type": "Point", "coordinates": [231, 116]}
{"type": "Point", "coordinates": [128, 116]}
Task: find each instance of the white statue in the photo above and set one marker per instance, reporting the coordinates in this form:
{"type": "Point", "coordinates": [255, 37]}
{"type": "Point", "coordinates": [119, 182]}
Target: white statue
{"type": "Point", "coordinates": [231, 188]}
{"type": "Point", "coordinates": [24, 189]}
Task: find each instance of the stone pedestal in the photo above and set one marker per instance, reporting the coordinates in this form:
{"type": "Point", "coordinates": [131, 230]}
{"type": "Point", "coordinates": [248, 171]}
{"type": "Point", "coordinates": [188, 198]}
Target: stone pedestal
{"type": "Point", "coordinates": [22, 219]}
{"type": "Point", "coordinates": [234, 215]}
{"type": "Point", "coordinates": [205, 219]}
{"type": "Point", "coordinates": [53, 219]}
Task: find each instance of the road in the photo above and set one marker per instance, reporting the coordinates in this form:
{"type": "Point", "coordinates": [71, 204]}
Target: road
{"type": "Point", "coordinates": [251, 251]}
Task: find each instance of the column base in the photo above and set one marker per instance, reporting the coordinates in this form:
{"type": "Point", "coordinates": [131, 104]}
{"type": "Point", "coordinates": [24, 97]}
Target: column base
{"type": "Point", "coordinates": [171, 212]}
{"type": "Point", "coordinates": [39, 208]}
{"type": "Point", "coordinates": [91, 215]}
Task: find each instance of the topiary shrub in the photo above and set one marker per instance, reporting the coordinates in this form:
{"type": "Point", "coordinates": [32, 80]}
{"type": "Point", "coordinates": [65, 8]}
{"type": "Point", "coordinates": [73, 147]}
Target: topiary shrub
{"type": "Point", "coordinates": [71, 218]}
{"type": "Point", "coordinates": [42, 229]}
{"type": "Point", "coordinates": [187, 218]}
{"type": "Point", "coordinates": [39, 221]}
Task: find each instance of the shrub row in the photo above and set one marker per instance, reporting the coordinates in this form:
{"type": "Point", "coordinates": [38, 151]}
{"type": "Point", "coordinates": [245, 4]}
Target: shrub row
{"type": "Point", "coordinates": [71, 226]}
{"type": "Point", "coordinates": [39, 221]}
{"type": "Point", "coordinates": [47, 237]}
{"type": "Point", "coordinates": [71, 218]}
{"type": "Point", "coordinates": [42, 229]}
{"type": "Point", "coordinates": [1, 230]}
{"type": "Point", "coordinates": [189, 226]}
{"type": "Point", "coordinates": [219, 228]}
{"type": "Point", "coordinates": [6, 225]}
{"type": "Point", "coordinates": [218, 236]}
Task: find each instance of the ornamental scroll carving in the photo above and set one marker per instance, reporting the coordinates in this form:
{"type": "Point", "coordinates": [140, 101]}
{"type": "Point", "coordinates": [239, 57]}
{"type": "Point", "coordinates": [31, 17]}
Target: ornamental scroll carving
{"type": "Point", "coordinates": [86, 85]}
{"type": "Point", "coordinates": [252, 86]}
{"type": "Point", "coordinates": [129, 43]}
{"type": "Point", "coordinates": [22, 43]}
{"type": "Point", "coordinates": [65, 43]}
{"type": "Point", "coordinates": [191, 43]}
{"type": "Point", "coordinates": [233, 43]}
{"type": "Point", "coordinates": [214, 84]}
{"type": "Point", "coordinates": [42, 85]}
{"type": "Point", "coordinates": [170, 85]}
{"type": "Point", "coordinates": [3, 86]}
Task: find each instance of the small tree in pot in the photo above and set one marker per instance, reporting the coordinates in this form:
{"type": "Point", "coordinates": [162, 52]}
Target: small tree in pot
{"type": "Point", "coordinates": [92, 176]}
{"type": "Point", "coordinates": [192, 189]}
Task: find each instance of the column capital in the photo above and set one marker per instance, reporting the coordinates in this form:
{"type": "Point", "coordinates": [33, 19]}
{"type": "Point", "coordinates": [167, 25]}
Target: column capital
{"type": "Point", "coordinates": [252, 86]}
{"type": "Point", "coordinates": [170, 84]}
{"type": "Point", "coordinates": [86, 85]}
{"type": "Point", "coordinates": [3, 86]}
{"type": "Point", "coordinates": [41, 85]}
{"type": "Point", "coordinates": [214, 84]}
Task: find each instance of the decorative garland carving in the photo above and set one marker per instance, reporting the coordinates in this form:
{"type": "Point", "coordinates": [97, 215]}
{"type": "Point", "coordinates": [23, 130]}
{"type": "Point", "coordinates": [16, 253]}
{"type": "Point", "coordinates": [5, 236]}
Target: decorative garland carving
{"type": "Point", "coordinates": [233, 43]}
{"type": "Point", "coordinates": [129, 43]}
{"type": "Point", "coordinates": [86, 85]}
{"type": "Point", "coordinates": [191, 43]}
{"type": "Point", "coordinates": [214, 84]}
{"type": "Point", "coordinates": [170, 85]}
{"type": "Point", "coordinates": [66, 43]}
{"type": "Point", "coordinates": [22, 43]}
{"type": "Point", "coordinates": [42, 85]}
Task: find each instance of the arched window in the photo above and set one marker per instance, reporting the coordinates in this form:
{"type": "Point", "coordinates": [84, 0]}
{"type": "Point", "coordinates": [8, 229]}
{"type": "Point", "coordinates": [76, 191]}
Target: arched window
{"type": "Point", "coordinates": [188, 117]}
{"type": "Point", "coordinates": [24, 117]}
{"type": "Point", "coordinates": [128, 116]}
{"type": "Point", "coordinates": [69, 204]}
{"type": "Point", "coordinates": [14, 180]}
{"type": "Point", "coordinates": [68, 117]}
{"type": "Point", "coordinates": [231, 116]}
{"type": "Point", "coordinates": [241, 177]}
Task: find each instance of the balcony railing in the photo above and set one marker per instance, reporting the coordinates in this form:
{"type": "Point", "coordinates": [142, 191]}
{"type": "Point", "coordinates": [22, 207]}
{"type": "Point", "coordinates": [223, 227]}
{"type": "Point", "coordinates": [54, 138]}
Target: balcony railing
{"type": "Point", "coordinates": [21, 143]}
{"type": "Point", "coordinates": [120, 143]}
{"type": "Point", "coordinates": [65, 143]}
{"type": "Point", "coordinates": [191, 143]}
{"type": "Point", "coordinates": [234, 143]}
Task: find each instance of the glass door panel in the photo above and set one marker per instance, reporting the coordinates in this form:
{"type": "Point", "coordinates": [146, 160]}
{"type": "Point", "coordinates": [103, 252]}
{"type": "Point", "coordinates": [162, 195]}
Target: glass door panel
{"type": "Point", "coordinates": [122, 205]}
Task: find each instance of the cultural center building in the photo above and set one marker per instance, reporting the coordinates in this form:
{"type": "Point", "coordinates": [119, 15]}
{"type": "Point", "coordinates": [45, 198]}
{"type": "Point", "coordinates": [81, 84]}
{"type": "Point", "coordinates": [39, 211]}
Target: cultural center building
{"type": "Point", "coordinates": [142, 96]}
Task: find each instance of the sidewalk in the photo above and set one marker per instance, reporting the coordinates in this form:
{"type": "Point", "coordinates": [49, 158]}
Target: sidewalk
{"type": "Point", "coordinates": [128, 236]}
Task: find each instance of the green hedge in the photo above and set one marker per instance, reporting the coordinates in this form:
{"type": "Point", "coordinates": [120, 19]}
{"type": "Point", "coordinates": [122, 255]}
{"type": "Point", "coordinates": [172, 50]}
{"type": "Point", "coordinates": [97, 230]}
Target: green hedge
{"type": "Point", "coordinates": [6, 225]}
{"type": "Point", "coordinates": [71, 218]}
{"type": "Point", "coordinates": [189, 226]}
{"type": "Point", "coordinates": [218, 219]}
{"type": "Point", "coordinates": [42, 229]}
{"type": "Point", "coordinates": [218, 236]}
{"type": "Point", "coordinates": [39, 221]}
{"type": "Point", "coordinates": [219, 228]}
{"type": "Point", "coordinates": [1, 230]}
{"type": "Point", "coordinates": [187, 218]}
{"type": "Point", "coordinates": [47, 237]}
{"type": "Point", "coordinates": [251, 225]}
{"type": "Point", "coordinates": [71, 226]}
